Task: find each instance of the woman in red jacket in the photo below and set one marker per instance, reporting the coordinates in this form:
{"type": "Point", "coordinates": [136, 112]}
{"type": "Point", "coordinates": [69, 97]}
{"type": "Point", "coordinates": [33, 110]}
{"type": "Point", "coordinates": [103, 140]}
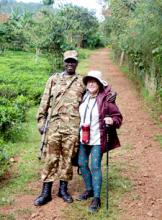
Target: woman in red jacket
{"type": "Point", "coordinates": [95, 112]}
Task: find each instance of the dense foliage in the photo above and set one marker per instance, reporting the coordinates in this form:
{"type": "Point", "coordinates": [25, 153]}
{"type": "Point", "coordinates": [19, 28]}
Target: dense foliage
{"type": "Point", "coordinates": [57, 33]}
{"type": "Point", "coordinates": [84, 22]}
{"type": "Point", "coordinates": [19, 74]}
{"type": "Point", "coordinates": [22, 80]}
{"type": "Point", "coordinates": [23, 32]}
{"type": "Point", "coordinates": [135, 27]}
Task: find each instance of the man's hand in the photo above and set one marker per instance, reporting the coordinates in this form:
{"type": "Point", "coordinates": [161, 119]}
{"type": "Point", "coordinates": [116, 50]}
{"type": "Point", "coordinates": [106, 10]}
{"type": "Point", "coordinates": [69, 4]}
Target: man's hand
{"type": "Point", "coordinates": [112, 96]}
{"type": "Point", "coordinates": [41, 130]}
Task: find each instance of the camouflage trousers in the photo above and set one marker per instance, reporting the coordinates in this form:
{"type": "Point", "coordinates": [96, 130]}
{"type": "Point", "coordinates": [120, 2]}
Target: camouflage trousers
{"type": "Point", "coordinates": [57, 156]}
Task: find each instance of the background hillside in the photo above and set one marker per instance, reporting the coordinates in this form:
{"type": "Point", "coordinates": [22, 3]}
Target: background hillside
{"type": "Point", "coordinates": [8, 6]}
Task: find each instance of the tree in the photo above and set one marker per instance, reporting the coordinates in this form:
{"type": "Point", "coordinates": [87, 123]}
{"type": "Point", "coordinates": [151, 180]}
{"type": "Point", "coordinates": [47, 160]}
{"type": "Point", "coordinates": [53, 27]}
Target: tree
{"type": "Point", "coordinates": [79, 24]}
{"type": "Point", "coordinates": [48, 2]}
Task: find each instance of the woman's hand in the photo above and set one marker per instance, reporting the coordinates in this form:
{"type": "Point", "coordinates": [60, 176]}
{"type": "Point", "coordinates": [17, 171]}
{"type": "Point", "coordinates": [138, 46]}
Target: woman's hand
{"type": "Point", "coordinates": [108, 120]}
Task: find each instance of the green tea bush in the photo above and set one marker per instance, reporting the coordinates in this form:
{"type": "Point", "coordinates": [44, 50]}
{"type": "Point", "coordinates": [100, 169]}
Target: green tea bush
{"type": "Point", "coordinates": [4, 159]}
{"type": "Point", "coordinates": [10, 120]}
{"type": "Point", "coordinates": [22, 80]}
{"type": "Point", "coordinates": [8, 91]}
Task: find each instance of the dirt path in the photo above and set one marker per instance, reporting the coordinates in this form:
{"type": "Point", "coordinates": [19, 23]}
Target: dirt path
{"type": "Point", "coordinates": [140, 152]}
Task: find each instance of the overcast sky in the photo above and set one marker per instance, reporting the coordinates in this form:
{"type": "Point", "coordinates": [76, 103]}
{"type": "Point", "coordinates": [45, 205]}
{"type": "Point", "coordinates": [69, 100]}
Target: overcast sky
{"type": "Point", "coordinates": [90, 4]}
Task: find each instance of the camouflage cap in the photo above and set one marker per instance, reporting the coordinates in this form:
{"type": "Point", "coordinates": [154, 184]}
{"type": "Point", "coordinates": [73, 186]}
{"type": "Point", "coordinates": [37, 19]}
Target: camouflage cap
{"type": "Point", "coordinates": [71, 54]}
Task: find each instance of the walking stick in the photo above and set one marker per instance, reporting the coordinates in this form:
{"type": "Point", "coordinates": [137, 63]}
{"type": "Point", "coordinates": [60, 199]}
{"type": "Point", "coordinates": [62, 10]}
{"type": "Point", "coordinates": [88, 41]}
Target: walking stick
{"type": "Point", "coordinates": [107, 168]}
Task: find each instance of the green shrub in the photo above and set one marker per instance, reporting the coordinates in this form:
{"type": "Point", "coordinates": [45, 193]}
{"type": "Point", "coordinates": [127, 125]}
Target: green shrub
{"type": "Point", "coordinates": [22, 80]}
{"type": "Point", "coordinates": [9, 91]}
{"type": "Point", "coordinates": [4, 159]}
{"type": "Point", "coordinates": [12, 114]}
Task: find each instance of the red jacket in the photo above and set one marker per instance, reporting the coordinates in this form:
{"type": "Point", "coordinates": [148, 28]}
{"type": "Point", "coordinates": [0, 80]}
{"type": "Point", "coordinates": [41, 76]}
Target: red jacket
{"type": "Point", "coordinates": [107, 108]}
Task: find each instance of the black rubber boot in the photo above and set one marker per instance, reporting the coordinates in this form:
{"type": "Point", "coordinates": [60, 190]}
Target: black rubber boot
{"type": "Point", "coordinates": [63, 193]}
{"type": "Point", "coordinates": [95, 205]}
{"type": "Point", "coordinates": [87, 194]}
{"type": "Point", "coordinates": [45, 196]}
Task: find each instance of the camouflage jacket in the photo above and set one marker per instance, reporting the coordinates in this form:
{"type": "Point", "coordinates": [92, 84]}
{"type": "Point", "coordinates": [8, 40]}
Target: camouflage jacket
{"type": "Point", "coordinates": [65, 115]}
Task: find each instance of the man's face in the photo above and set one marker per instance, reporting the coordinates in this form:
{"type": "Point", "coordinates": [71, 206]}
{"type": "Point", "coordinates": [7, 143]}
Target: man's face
{"type": "Point", "coordinates": [70, 66]}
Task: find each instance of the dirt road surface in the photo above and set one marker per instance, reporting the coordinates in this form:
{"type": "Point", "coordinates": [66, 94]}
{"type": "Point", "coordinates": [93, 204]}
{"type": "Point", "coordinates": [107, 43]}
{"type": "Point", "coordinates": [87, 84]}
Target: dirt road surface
{"type": "Point", "coordinates": [140, 152]}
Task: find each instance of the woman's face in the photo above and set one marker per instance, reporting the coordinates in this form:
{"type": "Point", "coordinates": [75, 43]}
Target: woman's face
{"type": "Point", "coordinates": [92, 86]}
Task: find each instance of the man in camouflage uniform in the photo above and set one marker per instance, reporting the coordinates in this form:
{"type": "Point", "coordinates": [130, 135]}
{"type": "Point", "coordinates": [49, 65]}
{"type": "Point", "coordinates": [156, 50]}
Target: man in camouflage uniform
{"type": "Point", "coordinates": [62, 133]}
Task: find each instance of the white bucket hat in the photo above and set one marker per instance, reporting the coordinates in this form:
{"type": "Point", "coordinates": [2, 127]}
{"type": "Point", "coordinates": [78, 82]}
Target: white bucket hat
{"type": "Point", "coordinates": [96, 75]}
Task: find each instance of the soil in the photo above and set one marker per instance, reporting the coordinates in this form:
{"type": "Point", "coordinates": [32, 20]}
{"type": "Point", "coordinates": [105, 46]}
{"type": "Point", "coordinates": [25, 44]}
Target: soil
{"type": "Point", "coordinates": [141, 153]}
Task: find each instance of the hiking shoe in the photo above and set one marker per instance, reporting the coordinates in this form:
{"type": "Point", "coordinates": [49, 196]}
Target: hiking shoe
{"type": "Point", "coordinates": [87, 194]}
{"type": "Point", "coordinates": [95, 205]}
